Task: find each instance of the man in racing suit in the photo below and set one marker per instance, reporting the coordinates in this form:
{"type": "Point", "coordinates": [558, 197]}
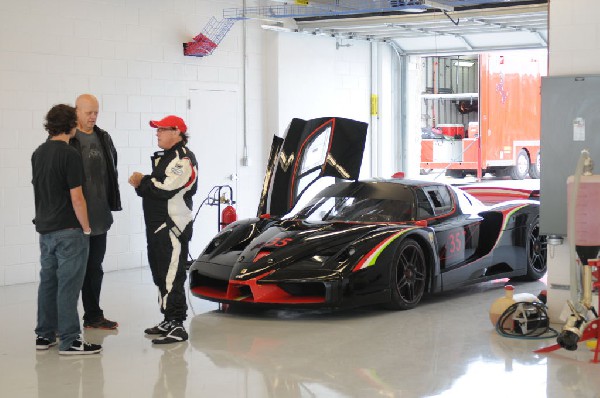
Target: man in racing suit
{"type": "Point", "coordinates": [167, 203]}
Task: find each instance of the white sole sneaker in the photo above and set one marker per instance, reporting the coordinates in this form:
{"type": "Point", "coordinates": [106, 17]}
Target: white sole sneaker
{"type": "Point", "coordinates": [81, 347]}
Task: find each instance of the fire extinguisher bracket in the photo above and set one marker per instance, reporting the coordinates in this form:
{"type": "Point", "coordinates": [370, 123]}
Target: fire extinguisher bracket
{"type": "Point", "coordinates": [221, 195]}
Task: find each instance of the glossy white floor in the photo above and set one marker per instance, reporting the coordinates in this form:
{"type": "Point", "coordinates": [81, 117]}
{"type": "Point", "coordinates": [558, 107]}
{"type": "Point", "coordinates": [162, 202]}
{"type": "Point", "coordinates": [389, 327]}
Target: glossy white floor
{"type": "Point", "coordinates": [446, 347]}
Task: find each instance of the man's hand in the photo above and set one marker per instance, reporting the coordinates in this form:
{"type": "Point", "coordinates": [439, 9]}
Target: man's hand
{"type": "Point", "coordinates": [135, 179]}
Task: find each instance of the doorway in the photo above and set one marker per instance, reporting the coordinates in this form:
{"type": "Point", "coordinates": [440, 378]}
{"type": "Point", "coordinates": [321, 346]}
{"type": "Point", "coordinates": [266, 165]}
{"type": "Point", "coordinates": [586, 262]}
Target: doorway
{"type": "Point", "coordinates": [213, 123]}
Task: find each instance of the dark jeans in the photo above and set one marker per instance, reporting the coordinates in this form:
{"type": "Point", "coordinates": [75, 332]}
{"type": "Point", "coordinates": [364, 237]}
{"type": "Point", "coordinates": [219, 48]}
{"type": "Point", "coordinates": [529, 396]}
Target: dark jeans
{"type": "Point", "coordinates": [92, 284]}
{"type": "Point", "coordinates": [62, 257]}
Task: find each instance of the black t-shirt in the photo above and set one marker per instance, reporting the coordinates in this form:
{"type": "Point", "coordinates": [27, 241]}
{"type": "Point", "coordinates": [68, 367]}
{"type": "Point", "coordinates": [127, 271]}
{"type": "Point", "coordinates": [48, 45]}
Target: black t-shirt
{"type": "Point", "coordinates": [57, 168]}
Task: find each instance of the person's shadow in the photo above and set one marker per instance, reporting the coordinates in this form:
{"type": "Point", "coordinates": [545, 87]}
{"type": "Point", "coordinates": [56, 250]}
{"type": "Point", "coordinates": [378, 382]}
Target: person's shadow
{"type": "Point", "coordinates": [73, 376]}
{"type": "Point", "coordinates": [172, 371]}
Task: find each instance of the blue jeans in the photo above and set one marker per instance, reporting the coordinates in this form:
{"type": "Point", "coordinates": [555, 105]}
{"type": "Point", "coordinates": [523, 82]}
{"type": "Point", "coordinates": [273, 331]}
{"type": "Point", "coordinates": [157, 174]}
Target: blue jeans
{"type": "Point", "coordinates": [63, 261]}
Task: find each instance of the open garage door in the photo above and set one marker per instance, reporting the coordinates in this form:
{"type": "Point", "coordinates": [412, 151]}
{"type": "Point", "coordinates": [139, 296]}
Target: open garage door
{"type": "Point", "coordinates": [452, 28]}
{"type": "Point", "coordinates": [457, 31]}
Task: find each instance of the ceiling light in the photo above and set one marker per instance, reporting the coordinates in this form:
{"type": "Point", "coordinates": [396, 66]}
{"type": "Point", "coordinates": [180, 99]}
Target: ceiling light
{"type": "Point", "coordinates": [278, 27]}
{"type": "Point", "coordinates": [466, 64]}
{"type": "Point", "coordinates": [413, 9]}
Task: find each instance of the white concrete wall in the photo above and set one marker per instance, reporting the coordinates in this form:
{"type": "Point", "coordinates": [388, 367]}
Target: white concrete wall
{"type": "Point", "coordinates": [316, 80]}
{"type": "Point", "coordinates": [129, 54]}
{"type": "Point", "coordinates": [574, 37]}
{"type": "Point", "coordinates": [413, 110]}
{"type": "Point", "coordinates": [574, 49]}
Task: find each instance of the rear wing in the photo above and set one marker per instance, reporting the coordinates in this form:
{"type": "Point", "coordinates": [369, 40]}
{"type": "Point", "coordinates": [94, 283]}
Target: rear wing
{"type": "Point", "coordinates": [494, 195]}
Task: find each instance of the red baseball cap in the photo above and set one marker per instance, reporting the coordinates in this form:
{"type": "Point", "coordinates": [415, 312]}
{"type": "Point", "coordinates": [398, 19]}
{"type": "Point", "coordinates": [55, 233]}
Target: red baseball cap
{"type": "Point", "coordinates": [170, 121]}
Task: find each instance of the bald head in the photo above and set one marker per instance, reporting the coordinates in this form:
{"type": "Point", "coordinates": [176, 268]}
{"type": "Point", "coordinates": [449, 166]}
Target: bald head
{"type": "Point", "coordinates": [87, 107]}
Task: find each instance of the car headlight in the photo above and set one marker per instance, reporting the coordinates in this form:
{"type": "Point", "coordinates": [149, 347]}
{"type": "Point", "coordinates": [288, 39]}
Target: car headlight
{"type": "Point", "coordinates": [217, 241]}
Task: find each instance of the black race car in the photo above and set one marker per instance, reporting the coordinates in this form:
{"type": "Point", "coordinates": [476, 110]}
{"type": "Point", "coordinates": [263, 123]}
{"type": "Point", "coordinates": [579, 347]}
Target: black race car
{"type": "Point", "coordinates": [361, 242]}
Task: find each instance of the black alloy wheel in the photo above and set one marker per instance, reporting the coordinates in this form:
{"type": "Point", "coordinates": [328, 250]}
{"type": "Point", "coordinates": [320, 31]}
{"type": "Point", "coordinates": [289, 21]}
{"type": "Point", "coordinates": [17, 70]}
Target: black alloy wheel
{"type": "Point", "coordinates": [408, 276]}
{"type": "Point", "coordinates": [537, 252]}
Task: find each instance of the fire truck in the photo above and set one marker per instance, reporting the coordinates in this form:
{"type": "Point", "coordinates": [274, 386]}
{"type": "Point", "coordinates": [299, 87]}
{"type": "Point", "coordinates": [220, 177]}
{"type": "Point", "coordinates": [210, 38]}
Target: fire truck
{"type": "Point", "coordinates": [484, 118]}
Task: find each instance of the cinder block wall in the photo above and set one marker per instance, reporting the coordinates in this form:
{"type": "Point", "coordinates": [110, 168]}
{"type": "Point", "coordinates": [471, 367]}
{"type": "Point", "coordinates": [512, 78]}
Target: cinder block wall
{"type": "Point", "coordinates": [129, 54]}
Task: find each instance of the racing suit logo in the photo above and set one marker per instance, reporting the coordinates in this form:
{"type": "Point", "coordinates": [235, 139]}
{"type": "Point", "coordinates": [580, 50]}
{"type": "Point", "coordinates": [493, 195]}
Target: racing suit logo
{"type": "Point", "coordinates": [177, 169]}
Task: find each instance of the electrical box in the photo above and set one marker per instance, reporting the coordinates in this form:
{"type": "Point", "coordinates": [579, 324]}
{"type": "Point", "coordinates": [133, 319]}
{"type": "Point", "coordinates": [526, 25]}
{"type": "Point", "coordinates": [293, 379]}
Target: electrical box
{"type": "Point", "coordinates": [570, 123]}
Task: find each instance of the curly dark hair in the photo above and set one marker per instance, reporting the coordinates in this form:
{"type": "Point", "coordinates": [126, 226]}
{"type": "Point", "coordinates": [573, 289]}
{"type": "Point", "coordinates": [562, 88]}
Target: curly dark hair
{"type": "Point", "coordinates": [60, 119]}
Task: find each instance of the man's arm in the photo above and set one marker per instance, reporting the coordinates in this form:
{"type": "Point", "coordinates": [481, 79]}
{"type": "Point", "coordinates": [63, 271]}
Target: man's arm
{"type": "Point", "coordinates": [80, 207]}
{"type": "Point", "coordinates": [179, 174]}
{"type": "Point", "coordinates": [135, 179]}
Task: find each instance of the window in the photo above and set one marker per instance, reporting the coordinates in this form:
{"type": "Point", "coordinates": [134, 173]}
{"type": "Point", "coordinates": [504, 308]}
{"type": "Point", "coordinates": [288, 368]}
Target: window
{"type": "Point", "coordinates": [313, 158]}
{"type": "Point", "coordinates": [424, 209]}
{"type": "Point", "coordinates": [440, 197]}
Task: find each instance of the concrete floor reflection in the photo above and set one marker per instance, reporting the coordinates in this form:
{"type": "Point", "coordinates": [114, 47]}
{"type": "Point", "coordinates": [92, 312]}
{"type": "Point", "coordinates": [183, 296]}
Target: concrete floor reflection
{"type": "Point", "coordinates": [446, 347]}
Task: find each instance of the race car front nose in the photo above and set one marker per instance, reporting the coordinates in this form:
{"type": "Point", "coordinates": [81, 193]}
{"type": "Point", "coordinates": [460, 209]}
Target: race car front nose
{"type": "Point", "coordinates": [290, 292]}
{"type": "Point", "coordinates": [279, 287]}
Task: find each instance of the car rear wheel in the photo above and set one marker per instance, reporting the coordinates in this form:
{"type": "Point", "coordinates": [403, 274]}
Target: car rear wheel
{"type": "Point", "coordinates": [408, 276]}
{"type": "Point", "coordinates": [537, 254]}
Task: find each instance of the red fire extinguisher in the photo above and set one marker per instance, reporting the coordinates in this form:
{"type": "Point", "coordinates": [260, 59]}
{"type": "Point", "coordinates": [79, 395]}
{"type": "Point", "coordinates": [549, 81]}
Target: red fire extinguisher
{"type": "Point", "coordinates": [228, 215]}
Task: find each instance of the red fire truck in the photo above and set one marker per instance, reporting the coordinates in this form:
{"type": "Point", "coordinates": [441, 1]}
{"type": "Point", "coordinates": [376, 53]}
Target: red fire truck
{"type": "Point", "coordinates": [504, 138]}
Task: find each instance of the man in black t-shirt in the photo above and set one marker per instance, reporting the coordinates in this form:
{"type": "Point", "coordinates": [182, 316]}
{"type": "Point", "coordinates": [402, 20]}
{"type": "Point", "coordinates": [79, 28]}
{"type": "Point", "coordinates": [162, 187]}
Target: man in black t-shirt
{"type": "Point", "coordinates": [62, 221]}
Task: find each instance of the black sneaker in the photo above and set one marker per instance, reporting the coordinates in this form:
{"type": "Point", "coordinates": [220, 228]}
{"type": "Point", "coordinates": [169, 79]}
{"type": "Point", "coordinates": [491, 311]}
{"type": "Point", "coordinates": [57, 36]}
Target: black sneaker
{"type": "Point", "coordinates": [161, 329]}
{"type": "Point", "coordinates": [81, 347]}
{"type": "Point", "coordinates": [175, 334]}
{"type": "Point", "coordinates": [42, 343]}
{"type": "Point", "coordinates": [101, 323]}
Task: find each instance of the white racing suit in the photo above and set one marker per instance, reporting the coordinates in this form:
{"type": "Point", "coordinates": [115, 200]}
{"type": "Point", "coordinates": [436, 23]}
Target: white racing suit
{"type": "Point", "coordinates": [167, 202]}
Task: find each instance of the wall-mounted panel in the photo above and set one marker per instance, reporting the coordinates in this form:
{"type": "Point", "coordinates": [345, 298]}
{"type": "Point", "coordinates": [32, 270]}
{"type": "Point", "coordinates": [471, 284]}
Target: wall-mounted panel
{"type": "Point", "coordinates": [570, 123]}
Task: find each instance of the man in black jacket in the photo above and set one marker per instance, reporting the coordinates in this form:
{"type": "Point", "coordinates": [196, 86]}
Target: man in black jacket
{"type": "Point", "coordinates": [101, 190]}
{"type": "Point", "coordinates": [167, 201]}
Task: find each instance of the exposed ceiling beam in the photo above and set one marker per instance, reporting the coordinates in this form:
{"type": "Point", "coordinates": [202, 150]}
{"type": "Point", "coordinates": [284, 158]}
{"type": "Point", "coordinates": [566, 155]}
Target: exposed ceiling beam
{"type": "Point", "coordinates": [420, 18]}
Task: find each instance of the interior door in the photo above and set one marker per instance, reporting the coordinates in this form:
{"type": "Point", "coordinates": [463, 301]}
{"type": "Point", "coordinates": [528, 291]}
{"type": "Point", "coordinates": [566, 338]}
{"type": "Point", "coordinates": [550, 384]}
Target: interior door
{"type": "Point", "coordinates": [213, 129]}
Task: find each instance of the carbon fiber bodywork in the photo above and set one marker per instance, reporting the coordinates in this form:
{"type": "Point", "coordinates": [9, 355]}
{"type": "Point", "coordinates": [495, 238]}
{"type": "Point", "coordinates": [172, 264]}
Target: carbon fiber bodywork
{"type": "Point", "coordinates": [358, 243]}
{"type": "Point", "coordinates": [336, 263]}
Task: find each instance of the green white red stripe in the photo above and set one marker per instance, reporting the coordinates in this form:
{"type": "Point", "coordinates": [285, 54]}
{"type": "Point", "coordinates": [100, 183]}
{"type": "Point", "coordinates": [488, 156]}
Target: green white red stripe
{"type": "Point", "coordinates": [507, 217]}
{"type": "Point", "coordinates": [371, 257]}
{"type": "Point", "coordinates": [510, 213]}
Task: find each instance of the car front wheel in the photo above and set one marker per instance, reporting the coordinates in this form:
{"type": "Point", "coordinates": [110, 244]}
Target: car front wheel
{"type": "Point", "coordinates": [408, 276]}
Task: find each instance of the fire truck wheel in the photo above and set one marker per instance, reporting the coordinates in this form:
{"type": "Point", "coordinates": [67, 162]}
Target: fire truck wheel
{"type": "Point", "coordinates": [521, 168]}
{"type": "Point", "coordinates": [455, 173]}
{"type": "Point", "coordinates": [536, 168]}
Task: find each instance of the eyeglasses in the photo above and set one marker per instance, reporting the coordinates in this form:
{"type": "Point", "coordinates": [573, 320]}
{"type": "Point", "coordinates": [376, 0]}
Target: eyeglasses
{"type": "Point", "coordinates": [161, 129]}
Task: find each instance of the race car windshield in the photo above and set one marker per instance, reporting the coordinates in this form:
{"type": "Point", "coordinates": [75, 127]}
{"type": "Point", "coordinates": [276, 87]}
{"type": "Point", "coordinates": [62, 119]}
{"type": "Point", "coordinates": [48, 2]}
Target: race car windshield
{"type": "Point", "coordinates": [349, 208]}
